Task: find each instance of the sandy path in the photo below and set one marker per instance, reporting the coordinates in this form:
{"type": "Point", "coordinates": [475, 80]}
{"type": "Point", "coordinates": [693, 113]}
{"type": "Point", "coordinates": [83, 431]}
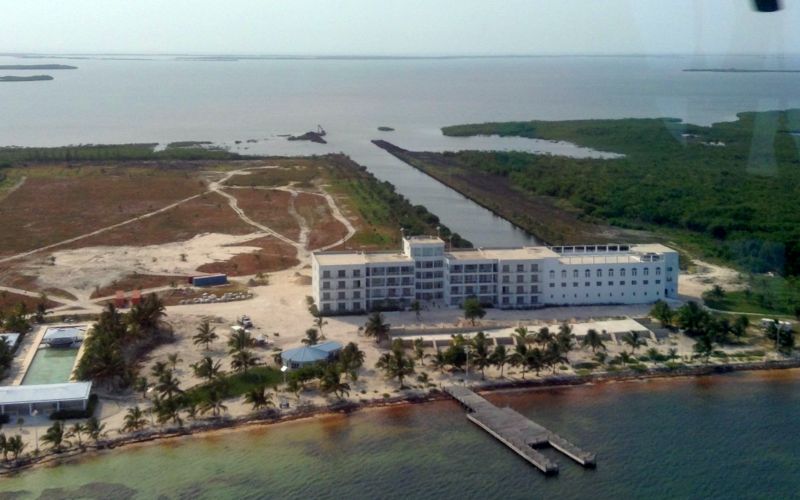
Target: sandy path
{"type": "Point", "coordinates": [705, 276]}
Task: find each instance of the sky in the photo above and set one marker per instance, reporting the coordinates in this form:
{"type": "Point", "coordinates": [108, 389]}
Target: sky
{"type": "Point", "coordinates": [398, 27]}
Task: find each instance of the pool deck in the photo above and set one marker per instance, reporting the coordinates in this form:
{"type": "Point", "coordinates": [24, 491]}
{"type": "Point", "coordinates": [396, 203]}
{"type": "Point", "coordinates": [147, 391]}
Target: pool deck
{"type": "Point", "coordinates": [27, 350]}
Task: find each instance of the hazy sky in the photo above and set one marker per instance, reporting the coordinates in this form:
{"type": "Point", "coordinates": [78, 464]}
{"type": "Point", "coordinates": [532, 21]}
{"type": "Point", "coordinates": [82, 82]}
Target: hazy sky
{"type": "Point", "coordinates": [423, 27]}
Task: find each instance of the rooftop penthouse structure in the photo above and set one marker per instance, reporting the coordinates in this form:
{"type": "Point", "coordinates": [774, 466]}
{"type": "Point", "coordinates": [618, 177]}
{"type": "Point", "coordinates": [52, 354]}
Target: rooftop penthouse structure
{"type": "Point", "coordinates": [507, 278]}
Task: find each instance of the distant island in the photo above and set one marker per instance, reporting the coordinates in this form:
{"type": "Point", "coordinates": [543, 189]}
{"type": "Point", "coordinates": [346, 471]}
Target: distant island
{"type": "Point", "coordinates": [317, 136]}
{"type": "Point", "coordinates": [36, 66]}
{"type": "Point", "coordinates": [737, 70]}
{"type": "Point", "coordinates": [386, 129]}
{"type": "Point", "coordinates": [32, 78]}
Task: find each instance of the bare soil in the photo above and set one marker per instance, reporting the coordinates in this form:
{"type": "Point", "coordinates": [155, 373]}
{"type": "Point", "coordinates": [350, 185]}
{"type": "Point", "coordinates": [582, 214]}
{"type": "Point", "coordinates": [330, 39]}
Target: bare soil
{"type": "Point", "coordinates": [273, 255]}
{"type": "Point", "coordinates": [325, 229]}
{"type": "Point", "coordinates": [269, 207]}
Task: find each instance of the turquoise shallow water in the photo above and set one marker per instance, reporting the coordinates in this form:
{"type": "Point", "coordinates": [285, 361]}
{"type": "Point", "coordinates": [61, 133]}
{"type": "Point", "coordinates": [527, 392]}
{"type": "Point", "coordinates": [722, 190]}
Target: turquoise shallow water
{"type": "Point", "coordinates": [730, 436]}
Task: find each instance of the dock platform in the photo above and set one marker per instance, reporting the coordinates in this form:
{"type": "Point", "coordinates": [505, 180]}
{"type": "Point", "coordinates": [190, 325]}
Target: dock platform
{"type": "Point", "coordinates": [522, 435]}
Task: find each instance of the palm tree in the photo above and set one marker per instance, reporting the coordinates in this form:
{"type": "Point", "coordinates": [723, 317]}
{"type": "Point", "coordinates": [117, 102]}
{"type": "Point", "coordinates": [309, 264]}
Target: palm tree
{"type": "Point", "coordinates": [213, 402]}
{"type": "Point", "coordinates": [473, 310]}
{"type": "Point", "coordinates": [134, 420]}
{"type": "Point", "coordinates": [376, 328]}
{"type": "Point", "coordinates": [259, 397]}
{"type": "Point", "coordinates": [167, 385]}
{"type": "Point", "coordinates": [692, 318]}
{"type": "Point", "coordinates": [55, 436]}
{"type": "Point", "coordinates": [4, 445]}
{"type": "Point", "coordinates": [191, 409]}
{"type": "Point", "coordinates": [543, 336]}
{"type": "Point", "coordinates": [522, 336]}
{"type": "Point", "coordinates": [95, 429]}
{"type": "Point", "coordinates": [294, 386]}
{"type": "Point", "coordinates": [77, 430]}
{"type": "Point", "coordinates": [244, 360]}
{"type": "Point", "coordinates": [351, 359]}
{"type": "Point", "coordinates": [500, 357]}
{"type": "Point", "coordinates": [565, 338]}
{"type": "Point", "coordinates": [16, 445]}
{"type": "Point", "coordinates": [480, 352]}
{"type": "Point", "coordinates": [704, 346]}
{"type": "Point", "coordinates": [663, 313]}
{"type": "Point", "coordinates": [312, 337]}
{"type": "Point", "coordinates": [419, 350]}
{"type": "Point", "coordinates": [536, 360]}
{"type": "Point", "coordinates": [207, 368]}
{"type": "Point", "coordinates": [331, 381]}
{"type": "Point", "coordinates": [519, 358]}
{"type": "Point", "coordinates": [240, 340]}
{"type": "Point", "coordinates": [173, 360]}
{"type": "Point", "coordinates": [439, 361]}
{"type": "Point", "coordinates": [395, 364]}
{"type": "Point", "coordinates": [319, 322]}
{"type": "Point", "coordinates": [554, 355]}
{"type": "Point", "coordinates": [672, 353]}
{"type": "Point", "coordinates": [158, 369]}
{"type": "Point", "coordinates": [593, 340]}
{"type": "Point", "coordinates": [634, 340]}
{"type": "Point", "coordinates": [206, 334]}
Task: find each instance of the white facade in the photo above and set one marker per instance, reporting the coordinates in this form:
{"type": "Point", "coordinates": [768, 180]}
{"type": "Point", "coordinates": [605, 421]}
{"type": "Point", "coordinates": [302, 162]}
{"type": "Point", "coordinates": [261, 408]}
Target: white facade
{"type": "Point", "coordinates": [508, 278]}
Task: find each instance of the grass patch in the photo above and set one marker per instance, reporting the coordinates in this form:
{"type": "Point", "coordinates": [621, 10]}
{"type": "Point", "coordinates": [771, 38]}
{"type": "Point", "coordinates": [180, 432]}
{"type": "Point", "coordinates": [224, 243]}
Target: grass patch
{"type": "Point", "coordinates": [766, 295]}
{"type": "Point", "coordinates": [237, 384]}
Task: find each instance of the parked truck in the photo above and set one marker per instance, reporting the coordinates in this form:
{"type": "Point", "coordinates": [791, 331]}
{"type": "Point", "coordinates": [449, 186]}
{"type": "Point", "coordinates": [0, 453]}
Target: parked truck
{"type": "Point", "coordinates": [210, 280]}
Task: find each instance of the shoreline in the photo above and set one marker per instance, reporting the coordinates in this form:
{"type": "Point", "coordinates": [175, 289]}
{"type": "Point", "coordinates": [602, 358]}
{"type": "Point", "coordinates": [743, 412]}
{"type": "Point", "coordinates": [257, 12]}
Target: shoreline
{"type": "Point", "coordinates": [272, 417]}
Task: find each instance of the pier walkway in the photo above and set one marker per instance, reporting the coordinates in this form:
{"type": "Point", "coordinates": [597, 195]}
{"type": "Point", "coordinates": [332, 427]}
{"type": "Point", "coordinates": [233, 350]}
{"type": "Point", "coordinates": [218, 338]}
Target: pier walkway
{"type": "Point", "coordinates": [517, 432]}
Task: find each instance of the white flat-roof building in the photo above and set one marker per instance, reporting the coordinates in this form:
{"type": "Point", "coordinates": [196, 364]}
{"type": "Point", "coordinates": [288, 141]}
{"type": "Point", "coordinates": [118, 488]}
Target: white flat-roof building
{"type": "Point", "coordinates": [509, 278]}
{"type": "Point", "coordinates": [18, 399]}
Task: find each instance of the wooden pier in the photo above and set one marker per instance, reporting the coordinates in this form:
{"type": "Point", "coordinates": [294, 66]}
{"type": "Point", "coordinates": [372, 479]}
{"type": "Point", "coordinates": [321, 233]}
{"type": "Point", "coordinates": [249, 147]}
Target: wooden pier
{"type": "Point", "coordinates": [519, 433]}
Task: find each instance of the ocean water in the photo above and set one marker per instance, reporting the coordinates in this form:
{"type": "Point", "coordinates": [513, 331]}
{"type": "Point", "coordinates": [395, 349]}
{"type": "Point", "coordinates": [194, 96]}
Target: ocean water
{"type": "Point", "coordinates": [731, 436]}
{"type": "Point", "coordinates": [162, 99]}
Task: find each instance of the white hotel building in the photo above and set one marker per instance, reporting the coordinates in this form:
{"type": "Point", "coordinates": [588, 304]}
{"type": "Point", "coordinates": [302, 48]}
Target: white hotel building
{"type": "Point", "coordinates": [507, 278]}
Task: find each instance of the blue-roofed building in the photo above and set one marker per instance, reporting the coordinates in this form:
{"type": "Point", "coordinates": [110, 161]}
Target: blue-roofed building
{"type": "Point", "coordinates": [311, 354]}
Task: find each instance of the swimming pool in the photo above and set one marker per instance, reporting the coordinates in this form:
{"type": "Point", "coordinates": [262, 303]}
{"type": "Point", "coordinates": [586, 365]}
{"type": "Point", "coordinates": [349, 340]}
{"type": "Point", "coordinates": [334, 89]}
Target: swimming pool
{"type": "Point", "coordinates": [51, 366]}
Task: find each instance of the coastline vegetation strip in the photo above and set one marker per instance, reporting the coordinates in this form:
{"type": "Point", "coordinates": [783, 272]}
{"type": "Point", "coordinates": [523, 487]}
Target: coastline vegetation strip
{"type": "Point", "coordinates": [270, 417]}
{"type": "Point", "coordinates": [15, 156]}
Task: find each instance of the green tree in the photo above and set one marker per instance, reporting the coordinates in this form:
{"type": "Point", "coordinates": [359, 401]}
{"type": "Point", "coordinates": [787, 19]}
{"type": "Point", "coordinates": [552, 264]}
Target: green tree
{"type": "Point", "coordinates": [782, 338]}
{"type": "Point", "coordinates": [134, 420]}
{"type": "Point", "coordinates": [417, 308]}
{"type": "Point", "coordinates": [439, 361]}
{"type": "Point", "coordinates": [634, 340]}
{"type": "Point", "coordinates": [351, 359]}
{"type": "Point", "coordinates": [141, 385]}
{"type": "Point", "coordinates": [168, 385]}
{"type": "Point", "coordinates": [54, 436]}
{"type": "Point", "coordinates": [692, 318]}
{"type": "Point", "coordinates": [500, 358]}
{"type": "Point", "coordinates": [213, 402]}
{"type": "Point", "coordinates": [15, 446]}
{"type": "Point", "coordinates": [76, 430]}
{"type": "Point", "coordinates": [419, 350]}
{"type": "Point", "coordinates": [739, 327]}
{"type": "Point", "coordinates": [473, 310]}
{"type": "Point", "coordinates": [331, 382]}
{"type": "Point", "coordinates": [4, 446]}
{"type": "Point", "coordinates": [704, 346]}
{"type": "Point", "coordinates": [663, 313]}
{"type": "Point", "coordinates": [312, 337]}
{"type": "Point", "coordinates": [243, 360]}
{"type": "Point", "coordinates": [376, 327]}
{"type": "Point", "coordinates": [395, 364]}
{"type": "Point", "coordinates": [593, 340]}
{"type": "Point", "coordinates": [95, 430]}
{"type": "Point", "coordinates": [481, 352]}
{"type": "Point", "coordinates": [519, 358]}
{"type": "Point", "coordinates": [207, 369]}
{"type": "Point", "coordinates": [259, 397]}
{"type": "Point", "coordinates": [173, 360]}
{"type": "Point", "coordinates": [319, 319]}
{"type": "Point", "coordinates": [521, 335]}
{"type": "Point", "coordinates": [206, 334]}
{"type": "Point", "coordinates": [544, 336]}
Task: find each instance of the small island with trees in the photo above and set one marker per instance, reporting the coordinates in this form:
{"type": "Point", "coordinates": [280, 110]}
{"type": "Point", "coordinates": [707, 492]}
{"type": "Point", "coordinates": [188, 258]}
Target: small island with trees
{"type": "Point", "coordinates": [32, 78]}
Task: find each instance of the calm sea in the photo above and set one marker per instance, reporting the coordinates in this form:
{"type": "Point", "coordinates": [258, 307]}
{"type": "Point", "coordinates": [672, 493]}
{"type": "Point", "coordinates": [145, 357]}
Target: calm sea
{"type": "Point", "coordinates": [732, 436]}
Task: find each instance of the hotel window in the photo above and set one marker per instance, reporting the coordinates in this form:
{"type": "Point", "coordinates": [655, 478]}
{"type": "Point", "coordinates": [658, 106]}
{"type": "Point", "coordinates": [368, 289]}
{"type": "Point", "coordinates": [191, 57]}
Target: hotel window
{"type": "Point", "coordinates": [534, 289]}
{"type": "Point", "coordinates": [587, 274]}
{"type": "Point", "coordinates": [552, 275]}
{"type": "Point", "coordinates": [646, 271]}
{"type": "Point", "coordinates": [622, 272]}
{"type": "Point", "coordinates": [356, 294]}
{"type": "Point", "coordinates": [341, 284]}
{"type": "Point", "coordinates": [575, 284]}
{"type": "Point", "coordinates": [326, 296]}
{"type": "Point", "coordinates": [633, 282]}
{"type": "Point", "coordinates": [552, 285]}
{"type": "Point", "coordinates": [534, 268]}
{"type": "Point", "coordinates": [610, 273]}
{"type": "Point", "coordinates": [610, 283]}
{"type": "Point", "coordinates": [588, 283]}
{"type": "Point", "coordinates": [563, 285]}
{"type": "Point", "coordinates": [633, 271]}
{"type": "Point", "coordinates": [341, 273]}
{"type": "Point", "coordinates": [506, 268]}
{"type": "Point", "coordinates": [599, 283]}
{"type": "Point", "coordinates": [644, 282]}
{"type": "Point", "coordinates": [326, 285]}
{"type": "Point", "coordinates": [341, 296]}
{"type": "Point", "coordinates": [520, 268]}
{"type": "Point", "coordinates": [658, 282]}
{"type": "Point", "coordinates": [563, 274]}
{"type": "Point", "coordinates": [575, 274]}
{"type": "Point", "coordinates": [506, 279]}
{"type": "Point", "coordinates": [622, 283]}
{"type": "Point", "coordinates": [356, 273]}
{"type": "Point", "coordinates": [326, 274]}
{"type": "Point", "coordinates": [520, 278]}
{"type": "Point", "coordinates": [658, 271]}
{"type": "Point", "coordinates": [599, 273]}
{"type": "Point", "coordinates": [520, 289]}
